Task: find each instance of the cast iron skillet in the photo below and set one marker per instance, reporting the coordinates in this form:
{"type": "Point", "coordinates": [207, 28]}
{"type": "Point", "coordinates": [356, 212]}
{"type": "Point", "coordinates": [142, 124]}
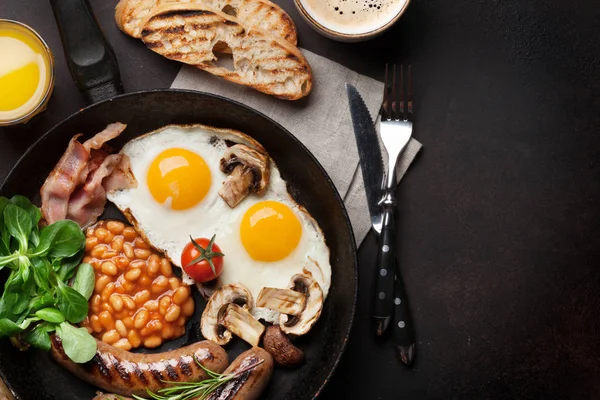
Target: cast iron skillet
{"type": "Point", "coordinates": [32, 374]}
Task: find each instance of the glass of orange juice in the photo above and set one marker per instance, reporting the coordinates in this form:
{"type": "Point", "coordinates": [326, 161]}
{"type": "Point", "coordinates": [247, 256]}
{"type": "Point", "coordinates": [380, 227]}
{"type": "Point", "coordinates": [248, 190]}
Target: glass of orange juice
{"type": "Point", "coordinates": [26, 73]}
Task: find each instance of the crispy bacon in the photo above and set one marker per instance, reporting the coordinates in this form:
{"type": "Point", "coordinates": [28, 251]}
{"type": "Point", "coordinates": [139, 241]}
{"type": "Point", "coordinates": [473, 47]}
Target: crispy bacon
{"type": "Point", "coordinates": [110, 132]}
{"type": "Point", "coordinates": [88, 201]}
{"type": "Point", "coordinates": [70, 171]}
{"type": "Point", "coordinates": [74, 189]}
{"type": "Point", "coordinates": [121, 177]}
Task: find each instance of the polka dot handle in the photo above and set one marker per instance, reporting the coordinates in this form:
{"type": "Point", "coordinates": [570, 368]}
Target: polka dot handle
{"type": "Point", "coordinates": [403, 328]}
{"type": "Point", "coordinates": [383, 306]}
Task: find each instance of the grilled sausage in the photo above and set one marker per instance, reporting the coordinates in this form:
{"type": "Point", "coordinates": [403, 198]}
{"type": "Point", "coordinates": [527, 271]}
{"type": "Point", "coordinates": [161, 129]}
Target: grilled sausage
{"type": "Point", "coordinates": [250, 384]}
{"type": "Point", "coordinates": [125, 373]}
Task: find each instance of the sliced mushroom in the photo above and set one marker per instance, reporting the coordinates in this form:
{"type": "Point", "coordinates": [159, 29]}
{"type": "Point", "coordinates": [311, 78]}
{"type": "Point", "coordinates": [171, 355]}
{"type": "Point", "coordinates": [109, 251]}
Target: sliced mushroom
{"type": "Point", "coordinates": [248, 171]}
{"type": "Point", "coordinates": [241, 323]}
{"type": "Point", "coordinates": [286, 301]}
{"type": "Point", "coordinates": [295, 320]}
{"type": "Point", "coordinates": [281, 348]}
{"type": "Point", "coordinates": [210, 324]}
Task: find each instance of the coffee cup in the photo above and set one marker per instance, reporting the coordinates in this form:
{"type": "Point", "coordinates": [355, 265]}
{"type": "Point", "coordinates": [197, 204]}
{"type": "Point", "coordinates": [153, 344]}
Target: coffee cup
{"type": "Point", "coordinates": [351, 20]}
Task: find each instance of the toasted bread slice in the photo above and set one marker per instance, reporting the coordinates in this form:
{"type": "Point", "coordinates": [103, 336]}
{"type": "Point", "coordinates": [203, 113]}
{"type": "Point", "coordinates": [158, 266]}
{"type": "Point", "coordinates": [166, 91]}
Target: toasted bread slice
{"type": "Point", "coordinates": [190, 33]}
{"type": "Point", "coordinates": [130, 15]}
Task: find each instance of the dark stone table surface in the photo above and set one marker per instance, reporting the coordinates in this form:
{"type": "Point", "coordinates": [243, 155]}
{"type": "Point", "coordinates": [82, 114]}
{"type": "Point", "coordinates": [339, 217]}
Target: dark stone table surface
{"type": "Point", "coordinates": [500, 214]}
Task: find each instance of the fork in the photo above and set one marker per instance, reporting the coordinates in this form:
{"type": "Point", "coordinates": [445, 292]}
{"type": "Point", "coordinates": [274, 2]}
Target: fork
{"type": "Point", "coordinates": [390, 295]}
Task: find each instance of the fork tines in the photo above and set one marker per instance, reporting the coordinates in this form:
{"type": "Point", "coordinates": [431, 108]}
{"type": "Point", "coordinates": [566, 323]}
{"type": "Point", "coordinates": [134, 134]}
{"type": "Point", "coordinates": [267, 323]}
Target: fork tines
{"type": "Point", "coordinates": [393, 106]}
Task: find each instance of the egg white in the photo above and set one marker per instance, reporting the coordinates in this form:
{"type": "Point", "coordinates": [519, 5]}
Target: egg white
{"type": "Point", "coordinates": [169, 230]}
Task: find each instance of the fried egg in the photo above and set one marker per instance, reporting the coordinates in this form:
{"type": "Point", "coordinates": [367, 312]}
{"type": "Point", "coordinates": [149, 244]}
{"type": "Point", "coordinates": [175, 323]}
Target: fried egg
{"type": "Point", "coordinates": [266, 238]}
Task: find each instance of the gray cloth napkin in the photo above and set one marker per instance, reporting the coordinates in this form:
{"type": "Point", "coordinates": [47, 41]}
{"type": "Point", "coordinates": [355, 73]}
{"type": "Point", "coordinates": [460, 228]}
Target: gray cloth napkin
{"type": "Point", "coordinates": [321, 122]}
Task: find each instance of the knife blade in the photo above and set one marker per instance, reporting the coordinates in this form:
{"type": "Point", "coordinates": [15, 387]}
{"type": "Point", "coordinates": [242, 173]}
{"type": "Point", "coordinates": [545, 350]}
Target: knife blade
{"type": "Point", "coordinates": [369, 152]}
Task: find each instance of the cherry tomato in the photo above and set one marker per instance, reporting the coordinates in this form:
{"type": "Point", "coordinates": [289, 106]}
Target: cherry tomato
{"type": "Point", "coordinates": [202, 259]}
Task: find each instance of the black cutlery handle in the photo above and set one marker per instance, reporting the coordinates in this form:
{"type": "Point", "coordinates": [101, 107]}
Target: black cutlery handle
{"type": "Point", "coordinates": [403, 327]}
{"type": "Point", "coordinates": [383, 306]}
{"type": "Point", "coordinates": [90, 57]}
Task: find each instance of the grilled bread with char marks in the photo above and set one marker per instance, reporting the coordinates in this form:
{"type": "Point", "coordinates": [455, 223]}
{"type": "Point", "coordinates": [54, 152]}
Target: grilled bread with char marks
{"type": "Point", "coordinates": [130, 15]}
{"type": "Point", "coordinates": [189, 33]}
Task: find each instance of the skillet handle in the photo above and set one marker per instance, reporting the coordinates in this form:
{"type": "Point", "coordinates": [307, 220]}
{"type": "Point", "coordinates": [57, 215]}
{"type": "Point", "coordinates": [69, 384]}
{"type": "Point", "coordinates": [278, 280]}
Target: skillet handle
{"type": "Point", "coordinates": [90, 57]}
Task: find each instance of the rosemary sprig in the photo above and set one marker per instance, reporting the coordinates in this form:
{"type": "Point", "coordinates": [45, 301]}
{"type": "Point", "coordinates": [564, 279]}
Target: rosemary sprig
{"type": "Point", "coordinates": [206, 254]}
{"type": "Point", "coordinates": [196, 390]}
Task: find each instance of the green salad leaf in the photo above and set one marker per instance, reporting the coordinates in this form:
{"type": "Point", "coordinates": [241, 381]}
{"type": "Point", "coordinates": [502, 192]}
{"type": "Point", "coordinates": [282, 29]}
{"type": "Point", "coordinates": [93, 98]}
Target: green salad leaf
{"type": "Point", "coordinates": [37, 300]}
{"type": "Point", "coordinates": [71, 303]}
{"type": "Point", "coordinates": [85, 280]}
{"type": "Point", "coordinates": [77, 343]}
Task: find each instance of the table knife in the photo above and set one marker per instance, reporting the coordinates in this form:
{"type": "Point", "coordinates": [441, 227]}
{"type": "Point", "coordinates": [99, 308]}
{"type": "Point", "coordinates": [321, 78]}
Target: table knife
{"type": "Point", "coordinates": [389, 296]}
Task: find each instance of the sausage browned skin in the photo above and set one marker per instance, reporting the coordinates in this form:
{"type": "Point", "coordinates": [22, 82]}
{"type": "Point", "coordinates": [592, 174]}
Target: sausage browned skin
{"type": "Point", "coordinates": [250, 384]}
{"type": "Point", "coordinates": [125, 373]}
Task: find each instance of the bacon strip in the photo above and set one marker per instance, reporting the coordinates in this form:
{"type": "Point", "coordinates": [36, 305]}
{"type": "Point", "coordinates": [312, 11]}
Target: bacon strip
{"type": "Point", "coordinates": [70, 171]}
{"type": "Point", "coordinates": [87, 203]}
{"type": "Point", "coordinates": [110, 132]}
{"type": "Point", "coordinates": [121, 177]}
{"type": "Point", "coordinates": [74, 189]}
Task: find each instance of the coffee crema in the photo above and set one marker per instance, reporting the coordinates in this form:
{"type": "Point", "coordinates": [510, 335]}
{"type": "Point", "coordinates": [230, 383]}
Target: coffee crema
{"type": "Point", "coordinates": [353, 16]}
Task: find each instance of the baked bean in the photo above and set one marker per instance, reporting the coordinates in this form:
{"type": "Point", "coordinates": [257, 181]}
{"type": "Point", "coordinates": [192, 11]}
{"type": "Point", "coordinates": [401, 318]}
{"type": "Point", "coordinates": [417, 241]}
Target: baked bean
{"type": "Point", "coordinates": [151, 305]}
{"type": "Point", "coordinates": [165, 267]}
{"type": "Point", "coordinates": [128, 322]}
{"type": "Point", "coordinates": [163, 304]}
{"type": "Point", "coordinates": [141, 318]}
{"type": "Point", "coordinates": [116, 302]}
{"type": "Point", "coordinates": [121, 262]}
{"type": "Point", "coordinates": [128, 250]}
{"type": "Point", "coordinates": [129, 303]}
{"type": "Point", "coordinates": [117, 243]}
{"type": "Point", "coordinates": [91, 242]}
{"type": "Point", "coordinates": [106, 320]}
{"type": "Point", "coordinates": [116, 227]}
{"type": "Point", "coordinates": [123, 344]}
{"type": "Point", "coordinates": [108, 254]}
{"type": "Point", "coordinates": [98, 250]}
{"type": "Point", "coordinates": [133, 274]}
{"type": "Point", "coordinates": [180, 295]}
{"type": "Point", "coordinates": [96, 303]}
{"type": "Point", "coordinates": [127, 286]}
{"type": "Point", "coordinates": [109, 237]}
{"type": "Point", "coordinates": [129, 233]}
{"type": "Point", "coordinates": [142, 254]}
{"type": "Point", "coordinates": [144, 281]}
{"type": "Point", "coordinates": [101, 234]}
{"type": "Point", "coordinates": [153, 341]}
{"type": "Point", "coordinates": [136, 293]}
{"type": "Point", "coordinates": [141, 243]}
{"type": "Point", "coordinates": [188, 307]}
{"type": "Point", "coordinates": [151, 327]}
{"type": "Point", "coordinates": [111, 336]}
{"type": "Point", "coordinates": [153, 265]}
{"type": "Point", "coordinates": [109, 268]}
{"type": "Point", "coordinates": [106, 307]}
{"type": "Point", "coordinates": [95, 323]}
{"type": "Point", "coordinates": [87, 259]}
{"type": "Point", "coordinates": [159, 284]}
{"type": "Point", "coordinates": [101, 283]}
{"type": "Point", "coordinates": [134, 338]}
{"type": "Point", "coordinates": [108, 290]}
{"type": "Point", "coordinates": [141, 297]}
{"type": "Point", "coordinates": [172, 313]}
{"type": "Point", "coordinates": [167, 332]}
{"type": "Point", "coordinates": [121, 328]}
{"type": "Point", "coordinates": [174, 283]}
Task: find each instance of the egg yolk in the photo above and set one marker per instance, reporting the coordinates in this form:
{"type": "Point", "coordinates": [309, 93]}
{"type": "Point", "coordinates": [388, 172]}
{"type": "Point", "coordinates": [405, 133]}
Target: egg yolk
{"type": "Point", "coordinates": [270, 231]}
{"type": "Point", "coordinates": [178, 178]}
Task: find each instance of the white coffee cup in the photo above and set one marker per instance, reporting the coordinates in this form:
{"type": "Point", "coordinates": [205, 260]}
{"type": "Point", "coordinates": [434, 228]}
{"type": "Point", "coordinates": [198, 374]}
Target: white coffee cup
{"type": "Point", "coordinates": [351, 20]}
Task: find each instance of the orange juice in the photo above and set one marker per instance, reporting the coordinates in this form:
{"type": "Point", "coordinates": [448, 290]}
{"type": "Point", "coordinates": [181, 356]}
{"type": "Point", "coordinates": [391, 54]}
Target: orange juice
{"type": "Point", "coordinates": [26, 73]}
